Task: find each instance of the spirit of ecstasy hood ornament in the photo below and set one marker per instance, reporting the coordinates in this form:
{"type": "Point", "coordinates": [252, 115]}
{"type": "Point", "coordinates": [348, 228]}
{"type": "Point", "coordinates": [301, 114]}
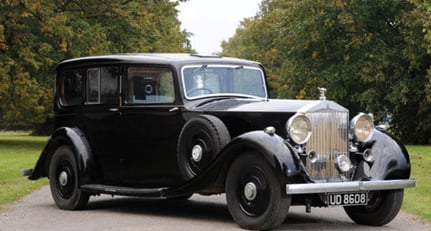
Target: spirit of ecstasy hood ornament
{"type": "Point", "coordinates": [322, 93]}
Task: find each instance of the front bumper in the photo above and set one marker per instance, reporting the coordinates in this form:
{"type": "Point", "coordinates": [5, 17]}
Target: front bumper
{"type": "Point", "coordinates": [353, 186]}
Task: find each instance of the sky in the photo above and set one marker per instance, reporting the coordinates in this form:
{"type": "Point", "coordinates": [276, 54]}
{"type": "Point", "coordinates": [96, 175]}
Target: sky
{"type": "Point", "coordinates": [212, 21]}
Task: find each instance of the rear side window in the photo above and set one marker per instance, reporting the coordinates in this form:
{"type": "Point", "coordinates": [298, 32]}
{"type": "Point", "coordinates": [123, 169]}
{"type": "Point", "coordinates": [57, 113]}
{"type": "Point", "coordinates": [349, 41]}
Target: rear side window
{"type": "Point", "coordinates": [71, 87]}
{"type": "Point", "coordinates": [102, 85]}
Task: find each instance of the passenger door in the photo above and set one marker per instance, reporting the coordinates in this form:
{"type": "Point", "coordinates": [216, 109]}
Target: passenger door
{"type": "Point", "coordinates": [101, 117]}
{"type": "Point", "coordinates": [151, 122]}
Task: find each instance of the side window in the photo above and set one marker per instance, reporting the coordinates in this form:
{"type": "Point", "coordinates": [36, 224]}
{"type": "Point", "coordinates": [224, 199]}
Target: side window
{"type": "Point", "coordinates": [102, 85]}
{"type": "Point", "coordinates": [93, 85]}
{"type": "Point", "coordinates": [71, 87]}
{"type": "Point", "coordinates": [149, 85]}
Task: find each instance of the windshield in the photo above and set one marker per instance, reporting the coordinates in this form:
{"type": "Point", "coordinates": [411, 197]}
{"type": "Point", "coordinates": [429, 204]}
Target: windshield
{"type": "Point", "coordinates": [224, 80]}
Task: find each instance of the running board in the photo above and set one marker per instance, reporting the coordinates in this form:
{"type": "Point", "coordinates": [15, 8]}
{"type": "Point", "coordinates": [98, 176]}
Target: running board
{"type": "Point", "coordinates": [123, 191]}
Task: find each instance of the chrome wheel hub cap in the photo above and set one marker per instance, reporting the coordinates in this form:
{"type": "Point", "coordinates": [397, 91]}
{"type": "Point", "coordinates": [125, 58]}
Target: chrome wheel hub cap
{"type": "Point", "coordinates": [63, 178]}
{"type": "Point", "coordinates": [197, 153]}
{"type": "Point", "coordinates": [250, 191]}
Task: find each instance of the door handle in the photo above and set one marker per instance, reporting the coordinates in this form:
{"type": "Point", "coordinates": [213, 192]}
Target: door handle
{"type": "Point", "coordinates": [113, 109]}
{"type": "Point", "coordinates": [174, 109]}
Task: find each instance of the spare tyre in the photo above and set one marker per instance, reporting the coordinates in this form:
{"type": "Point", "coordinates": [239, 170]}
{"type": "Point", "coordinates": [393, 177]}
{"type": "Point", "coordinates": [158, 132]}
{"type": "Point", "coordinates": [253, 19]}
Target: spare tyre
{"type": "Point", "coordinates": [201, 139]}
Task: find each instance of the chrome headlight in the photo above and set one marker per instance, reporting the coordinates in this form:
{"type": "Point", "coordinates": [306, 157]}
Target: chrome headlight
{"type": "Point", "coordinates": [343, 163]}
{"type": "Point", "coordinates": [362, 127]}
{"type": "Point", "coordinates": [299, 128]}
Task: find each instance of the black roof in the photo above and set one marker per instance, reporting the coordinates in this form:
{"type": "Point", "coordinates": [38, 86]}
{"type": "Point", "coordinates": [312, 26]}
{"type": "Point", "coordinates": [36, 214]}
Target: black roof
{"type": "Point", "coordinates": [176, 59]}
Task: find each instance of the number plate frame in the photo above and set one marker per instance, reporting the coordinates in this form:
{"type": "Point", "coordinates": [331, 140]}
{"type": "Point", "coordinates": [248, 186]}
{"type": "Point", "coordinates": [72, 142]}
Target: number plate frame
{"type": "Point", "coordinates": [347, 199]}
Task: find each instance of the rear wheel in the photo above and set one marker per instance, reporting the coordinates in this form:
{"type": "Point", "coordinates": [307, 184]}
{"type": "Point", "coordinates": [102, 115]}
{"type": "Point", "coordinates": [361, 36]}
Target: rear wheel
{"type": "Point", "coordinates": [63, 181]}
{"type": "Point", "coordinates": [254, 193]}
{"type": "Point", "coordinates": [381, 209]}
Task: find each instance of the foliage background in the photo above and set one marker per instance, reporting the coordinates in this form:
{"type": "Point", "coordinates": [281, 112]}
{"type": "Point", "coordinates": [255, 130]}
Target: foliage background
{"type": "Point", "coordinates": [372, 56]}
{"type": "Point", "coordinates": [37, 34]}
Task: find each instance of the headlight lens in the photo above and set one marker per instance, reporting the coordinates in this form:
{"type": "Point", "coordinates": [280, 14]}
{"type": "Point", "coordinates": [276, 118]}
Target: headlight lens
{"type": "Point", "coordinates": [343, 163]}
{"type": "Point", "coordinates": [362, 127]}
{"type": "Point", "coordinates": [299, 128]}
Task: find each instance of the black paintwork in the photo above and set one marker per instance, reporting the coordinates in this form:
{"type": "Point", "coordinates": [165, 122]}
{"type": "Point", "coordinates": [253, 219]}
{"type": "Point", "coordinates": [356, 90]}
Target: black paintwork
{"type": "Point", "coordinates": [131, 147]}
{"type": "Point", "coordinates": [391, 158]}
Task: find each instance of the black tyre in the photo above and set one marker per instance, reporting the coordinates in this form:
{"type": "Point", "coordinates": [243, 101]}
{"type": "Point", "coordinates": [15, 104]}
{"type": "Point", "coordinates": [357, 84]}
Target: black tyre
{"type": "Point", "coordinates": [382, 208]}
{"type": "Point", "coordinates": [63, 181]}
{"type": "Point", "coordinates": [201, 139]}
{"type": "Point", "coordinates": [254, 193]}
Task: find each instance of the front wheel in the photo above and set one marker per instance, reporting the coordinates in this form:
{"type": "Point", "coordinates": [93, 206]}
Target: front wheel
{"type": "Point", "coordinates": [254, 193]}
{"type": "Point", "coordinates": [63, 181]}
{"type": "Point", "coordinates": [382, 208]}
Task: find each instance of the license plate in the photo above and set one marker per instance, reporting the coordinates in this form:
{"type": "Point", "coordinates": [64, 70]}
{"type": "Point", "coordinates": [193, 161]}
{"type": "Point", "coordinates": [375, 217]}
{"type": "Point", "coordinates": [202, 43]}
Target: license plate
{"type": "Point", "coordinates": [346, 199]}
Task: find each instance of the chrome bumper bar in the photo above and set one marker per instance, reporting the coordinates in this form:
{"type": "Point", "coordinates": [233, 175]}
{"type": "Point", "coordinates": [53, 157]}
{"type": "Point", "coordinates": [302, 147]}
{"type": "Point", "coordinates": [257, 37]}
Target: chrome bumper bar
{"type": "Point", "coordinates": [352, 186]}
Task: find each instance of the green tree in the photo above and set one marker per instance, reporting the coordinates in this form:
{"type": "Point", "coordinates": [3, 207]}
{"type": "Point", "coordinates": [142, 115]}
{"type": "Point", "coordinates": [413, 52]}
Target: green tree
{"type": "Point", "coordinates": [371, 55]}
{"type": "Point", "coordinates": [37, 34]}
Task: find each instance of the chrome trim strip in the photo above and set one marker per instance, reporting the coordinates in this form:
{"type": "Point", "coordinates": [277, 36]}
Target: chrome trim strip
{"type": "Point", "coordinates": [352, 186]}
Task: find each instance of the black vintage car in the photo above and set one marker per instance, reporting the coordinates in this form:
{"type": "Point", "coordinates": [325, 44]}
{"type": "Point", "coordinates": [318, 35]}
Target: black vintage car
{"type": "Point", "coordinates": [170, 125]}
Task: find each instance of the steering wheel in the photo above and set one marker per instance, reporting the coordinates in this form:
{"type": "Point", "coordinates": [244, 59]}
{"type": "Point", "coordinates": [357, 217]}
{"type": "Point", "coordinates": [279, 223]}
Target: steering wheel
{"type": "Point", "coordinates": [190, 93]}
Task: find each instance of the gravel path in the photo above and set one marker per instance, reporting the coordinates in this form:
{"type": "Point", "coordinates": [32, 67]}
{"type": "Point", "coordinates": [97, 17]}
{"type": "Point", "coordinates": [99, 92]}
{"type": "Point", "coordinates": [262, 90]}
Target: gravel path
{"type": "Point", "coordinates": [37, 211]}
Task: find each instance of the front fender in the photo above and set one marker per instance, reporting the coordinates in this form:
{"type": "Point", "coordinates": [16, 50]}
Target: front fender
{"type": "Point", "coordinates": [391, 159]}
{"type": "Point", "coordinates": [212, 179]}
{"type": "Point", "coordinates": [271, 146]}
{"type": "Point", "coordinates": [74, 138]}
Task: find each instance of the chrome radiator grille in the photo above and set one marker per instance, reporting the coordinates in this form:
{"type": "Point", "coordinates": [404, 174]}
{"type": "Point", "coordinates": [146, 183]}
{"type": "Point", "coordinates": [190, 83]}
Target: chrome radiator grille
{"type": "Point", "coordinates": [329, 140]}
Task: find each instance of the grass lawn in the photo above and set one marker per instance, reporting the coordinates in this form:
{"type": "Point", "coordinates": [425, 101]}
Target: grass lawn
{"type": "Point", "coordinates": [417, 200]}
{"type": "Point", "coordinates": [18, 151]}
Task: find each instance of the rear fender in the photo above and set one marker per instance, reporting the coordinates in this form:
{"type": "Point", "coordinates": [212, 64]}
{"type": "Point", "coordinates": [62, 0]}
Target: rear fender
{"type": "Point", "coordinates": [75, 139]}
